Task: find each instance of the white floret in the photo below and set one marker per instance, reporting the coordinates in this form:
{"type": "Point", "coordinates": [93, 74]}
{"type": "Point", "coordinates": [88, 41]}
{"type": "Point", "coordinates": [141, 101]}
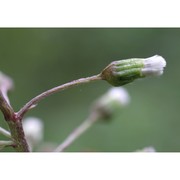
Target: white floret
{"type": "Point", "coordinates": [153, 66]}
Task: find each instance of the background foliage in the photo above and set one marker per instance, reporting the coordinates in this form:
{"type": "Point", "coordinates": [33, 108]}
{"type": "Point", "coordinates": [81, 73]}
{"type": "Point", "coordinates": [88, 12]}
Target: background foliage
{"type": "Point", "coordinates": [39, 59]}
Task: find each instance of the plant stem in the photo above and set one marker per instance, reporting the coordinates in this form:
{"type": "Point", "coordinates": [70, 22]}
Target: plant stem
{"type": "Point", "coordinates": [18, 135]}
{"type": "Point", "coordinates": [41, 96]}
{"type": "Point", "coordinates": [77, 132]}
{"type": "Point", "coordinates": [6, 143]}
{"type": "Point", "coordinates": [5, 133]}
{"type": "Point", "coordinates": [15, 125]}
{"type": "Point", "coordinates": [5, 107]}
{"type": "Point", "coordinates": [14, 120]}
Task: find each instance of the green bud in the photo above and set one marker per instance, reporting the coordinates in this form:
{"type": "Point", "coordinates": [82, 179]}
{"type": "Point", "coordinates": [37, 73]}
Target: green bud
{"type": "Point", "coordinates": [122, 72]}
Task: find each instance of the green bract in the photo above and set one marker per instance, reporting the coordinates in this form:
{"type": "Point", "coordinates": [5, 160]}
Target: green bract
{"type": "Point", "coordinates": [122, 72]}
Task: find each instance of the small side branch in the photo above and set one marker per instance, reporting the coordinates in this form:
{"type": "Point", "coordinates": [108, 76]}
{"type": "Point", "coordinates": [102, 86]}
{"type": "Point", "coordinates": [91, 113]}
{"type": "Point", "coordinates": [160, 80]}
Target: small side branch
{"type": "Point", "coordinates": [5, 144]}
{"type": "Point", "coordinates": [5, 132]}
{"type": "Point", "coordinates": [15, 125]}
{"type": "Point", "coordinates": [77, 132]}
{"type": "Point", "coordinates": [47, 93]}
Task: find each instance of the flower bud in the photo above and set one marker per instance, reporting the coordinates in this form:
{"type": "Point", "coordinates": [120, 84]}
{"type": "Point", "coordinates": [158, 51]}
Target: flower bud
{"type": "Point", "coordinates": [33, 129]}
{"type": "Point", "coordinates": [122, 72]}
{"type": "Point", "coordinates": [113, 100]}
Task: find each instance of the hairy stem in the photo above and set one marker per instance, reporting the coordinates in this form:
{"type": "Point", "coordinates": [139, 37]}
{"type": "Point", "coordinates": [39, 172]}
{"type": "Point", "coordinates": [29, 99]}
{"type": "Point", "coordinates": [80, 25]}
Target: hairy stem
{"type": "Point", "coordinates": [14, 123]}
{"type": "Point", "coordinates": [47, 93]}
{"type": "Point", "coordinates": [18, 136]}
{"type": "Point", "coordinates": [78, 132]}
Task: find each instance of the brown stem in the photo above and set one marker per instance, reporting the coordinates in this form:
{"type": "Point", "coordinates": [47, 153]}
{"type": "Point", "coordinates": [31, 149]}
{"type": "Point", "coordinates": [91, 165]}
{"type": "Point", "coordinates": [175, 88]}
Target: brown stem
{"type": "Point", "coordinates": [14, 120]}
{"type": "Point", "coordinates": [5, 107]}
{"type": "Point", "coordinates": [41, 96]}
{"type": "Point", "coordinates": [15, 125]}
{"type": "Point", "coordinates": [18, 135]}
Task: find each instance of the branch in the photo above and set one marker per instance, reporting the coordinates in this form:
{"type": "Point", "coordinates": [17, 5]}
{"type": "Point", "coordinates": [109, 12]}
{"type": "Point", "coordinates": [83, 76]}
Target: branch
{"type": "Point", "coordinates": [5, 132]}
{"type": "Point", "coordinates": [17, 133]}
{"type": "Point", "coordinates": [33, 102]}
{"type": "Point", "coordinates": [5, 107]}
{"type": "Point", "coordinates": [13, 121]}
{"type": "Point", "coordinates": [6, 143]}
{"type": "Point", "coordinates": [78, 132]}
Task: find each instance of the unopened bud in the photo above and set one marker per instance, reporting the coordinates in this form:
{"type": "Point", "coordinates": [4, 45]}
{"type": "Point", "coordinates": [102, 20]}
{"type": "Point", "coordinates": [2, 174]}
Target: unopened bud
{"type": "Point", "coordinates": [113, 100]}
{"type": "Point", "coordinates": [122, 72]}
{"type": "Point", "coordinates": [33, 129]}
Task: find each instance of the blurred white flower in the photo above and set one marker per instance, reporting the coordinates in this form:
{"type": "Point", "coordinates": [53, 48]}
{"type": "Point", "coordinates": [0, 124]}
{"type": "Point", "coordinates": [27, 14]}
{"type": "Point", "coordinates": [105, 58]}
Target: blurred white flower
{"type": "Point", "coordinates": [34, 131]}
{"type": "Point", "coordinates": [6, 81]}
{"type": "Point", "coordinates": [118, 94]}
{"type": "Point", "coordinates": [147, 149]}
{"type": "Point", "coordinates": [115, 99]}
{"type": "Point", "coordinates": [6, 84]}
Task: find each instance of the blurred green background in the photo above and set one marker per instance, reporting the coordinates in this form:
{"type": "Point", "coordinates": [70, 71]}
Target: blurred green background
{"type": "Point", "coordinates": [39, 59]}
